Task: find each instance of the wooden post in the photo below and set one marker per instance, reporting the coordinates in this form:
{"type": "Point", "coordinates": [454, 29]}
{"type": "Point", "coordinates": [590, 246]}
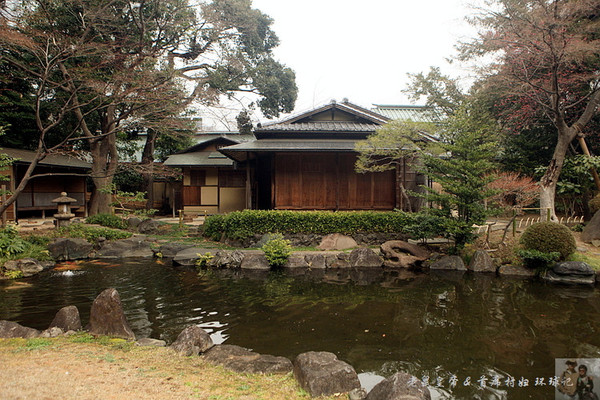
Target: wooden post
{"type": "Point", "coordinates": [4, 202]}
{"type": "Point", "coordinates": [248, 186]}
{"type": "Point", "coordinates": [514, 227]}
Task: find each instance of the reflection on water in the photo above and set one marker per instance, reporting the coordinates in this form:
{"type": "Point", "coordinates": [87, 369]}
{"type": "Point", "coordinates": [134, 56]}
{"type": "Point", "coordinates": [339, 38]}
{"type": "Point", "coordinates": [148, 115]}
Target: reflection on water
{"type": "Point", "coordinates": [447, 327]}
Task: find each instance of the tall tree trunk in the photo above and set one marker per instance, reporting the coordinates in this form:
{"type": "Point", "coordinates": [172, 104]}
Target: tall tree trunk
{"type": "Point", "coordinates": [148, 167]}
{"type": "Point", "coordinates": [104, 164]}
{"type": "Point", "coordinates": [550, 178]}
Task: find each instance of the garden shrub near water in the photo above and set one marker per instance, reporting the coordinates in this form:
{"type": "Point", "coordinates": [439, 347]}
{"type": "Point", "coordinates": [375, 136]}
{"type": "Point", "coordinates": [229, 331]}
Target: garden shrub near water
{"type": "Point", "coordinates": [108, 220]}
{"type": "Point", "coordinates": [277, 250]}
{"type": "Point", "coordinates": [244, 224]}
{"type": "Point", "coordinates": [548, 237]}
{"type": "Point", "coordinates": [92, 233]}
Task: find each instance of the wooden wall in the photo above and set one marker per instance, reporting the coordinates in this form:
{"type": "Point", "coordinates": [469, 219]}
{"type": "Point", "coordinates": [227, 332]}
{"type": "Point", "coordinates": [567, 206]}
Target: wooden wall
{"type": "Point", "coordinates": [327, 181]}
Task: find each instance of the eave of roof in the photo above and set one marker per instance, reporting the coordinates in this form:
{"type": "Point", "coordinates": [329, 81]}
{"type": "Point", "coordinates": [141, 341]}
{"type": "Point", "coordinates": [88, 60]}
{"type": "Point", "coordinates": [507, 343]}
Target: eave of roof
{"type": "Point", "coordinates": [239, 152]}
{"type": "Point", "coordinates": [198, 159]}
{"type": "Point", "coordinates": [54, 160]}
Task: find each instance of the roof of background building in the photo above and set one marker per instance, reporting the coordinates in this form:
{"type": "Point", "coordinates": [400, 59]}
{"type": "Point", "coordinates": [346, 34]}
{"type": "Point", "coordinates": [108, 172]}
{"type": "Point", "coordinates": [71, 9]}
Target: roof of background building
{"type": "Point", "coordinates": [56, 160]}
{"type": "Point", "coordinates": [407, 112]}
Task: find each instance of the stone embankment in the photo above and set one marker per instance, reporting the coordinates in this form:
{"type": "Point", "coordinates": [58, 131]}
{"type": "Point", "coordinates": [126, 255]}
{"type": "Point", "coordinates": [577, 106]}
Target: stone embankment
{"type": "Point", "coordinates": [336, 252]}
{"type": "Point", "coordinates": [319, 373]}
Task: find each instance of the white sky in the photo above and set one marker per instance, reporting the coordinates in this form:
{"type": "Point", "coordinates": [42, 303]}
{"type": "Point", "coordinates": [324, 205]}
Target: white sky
{"type": "Point", "coordinates": [363, 50]}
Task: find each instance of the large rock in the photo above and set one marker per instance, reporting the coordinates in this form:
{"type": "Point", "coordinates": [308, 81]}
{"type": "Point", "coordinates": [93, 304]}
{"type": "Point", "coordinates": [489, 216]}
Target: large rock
{"type": "Point", "coordinates": [133, 222]}
{"type": "Point", "coordinates": [244, 361]}
{"type": "Point", "coordinates": [127, 248]}
{"type": "Point", "coordinates": [452, 263]}
{"type": "Point", "coordinates": [573, 268]}
{"type": "Point", "coordinates": [192, 341]}
{"type": "Point", "coordinates": [255, 260]}
{"type": "Point", "coordinates": [170, 250]}
{"type": "Point", "coordinates": [337, 241]}
{"type": "Point", "coordinates": [107, 316]}
{"type": "Point", "coordinates": [151, 342]}
{"type": "Point", "coordinates": [400, 386]}
{"type": "Point", "coordinates": [591, 231]}
{"type": "Point", "coordinates": [52, 332]}
{"type": "Point", "coordinates": [364, 258]}
{"type": "Point", "coordinates": [317, 260]}
{"type": "Point", "coordinates": [68, 249]}
{"type": "Point", "coordinates": [296, 260]}
{"type": "Point", "coordinates": [148, 227]}
{"type": "Point", "coordinates": [341, 260]}
{"type": "Point", "coordinates": [231, 259]}
{"type": "Point", "coordinates": [322, 374]}
{"type": "Point", "coordinates": [516, 271]}
{"type": "Point", "coordinates": [481, 262]}
{"type": "Point", "coordinates": [67, 319]}
{"type": "Point", "coordinates": [552, 277]}
{"type": "Point", "coordinates": [9, 329]}
{"type": "Point", "coordinates": [28, 266]}
{"type": "Point", "coordinates": [189, 256]}
{"type": "Point", "coordinates": [401, 254]}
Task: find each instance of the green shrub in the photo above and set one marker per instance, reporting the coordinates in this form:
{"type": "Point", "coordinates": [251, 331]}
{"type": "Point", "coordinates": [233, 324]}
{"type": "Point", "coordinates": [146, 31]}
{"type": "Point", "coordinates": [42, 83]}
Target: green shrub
{"type": "Point", "coordinates": [548, 237]}
{"type": "Point", "coordinates": [92, 233]}
{"type": "Point", "coordinates": [213, 227]}
{"type": "Point", "coordinates": [277, 251]}
{"type": "Point", "coordinates": [108, 220]}
{"type": "Point", "coordinates": [38, 240]}
{"type": "Point", "coordinates": [244, 224]}
{"type": "Point", "coordinates": [424, 226]}
{"type": "Point", "coordinates": [203, 260]}
{"type": "Point", "coordinates": [577, 228]}
{"type": "Point", "coordinates": [539, 260]}
{"type": "Point", "coordinates": [13, 274]}
{"type": "Point", "coordinates": [10, 242]}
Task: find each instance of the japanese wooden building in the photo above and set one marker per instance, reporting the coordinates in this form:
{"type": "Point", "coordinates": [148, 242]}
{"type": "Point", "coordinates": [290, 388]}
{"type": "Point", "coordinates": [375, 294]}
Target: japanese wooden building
{"type": "Point", "coordinates": [307, 162]}
{"type": "Point", "coordinates": [36, 198]}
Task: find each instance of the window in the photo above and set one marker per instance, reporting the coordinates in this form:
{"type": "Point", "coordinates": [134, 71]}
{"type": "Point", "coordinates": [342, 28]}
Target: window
{"type": "Point", "coordinates": [197, 177]}
{"type": "Point", "coordinates": [232, 178]}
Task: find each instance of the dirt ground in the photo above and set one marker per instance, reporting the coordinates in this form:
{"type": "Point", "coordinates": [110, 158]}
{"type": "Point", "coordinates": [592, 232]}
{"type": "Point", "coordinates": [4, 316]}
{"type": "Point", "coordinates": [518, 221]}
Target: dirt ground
{"type": "Point", "coordinates": [50, 369]}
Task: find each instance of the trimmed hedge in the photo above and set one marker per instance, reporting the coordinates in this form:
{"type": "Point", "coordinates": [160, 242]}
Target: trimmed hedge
{"type": "Point", "coordinates": [244, 224]}
{"type": "Point", "coordinates": [548, 237]}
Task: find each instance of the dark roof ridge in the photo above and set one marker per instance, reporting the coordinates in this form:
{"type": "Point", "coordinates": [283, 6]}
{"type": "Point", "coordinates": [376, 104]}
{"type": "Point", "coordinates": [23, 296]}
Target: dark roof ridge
{"type": "Point", "coordinates": [344, 106]}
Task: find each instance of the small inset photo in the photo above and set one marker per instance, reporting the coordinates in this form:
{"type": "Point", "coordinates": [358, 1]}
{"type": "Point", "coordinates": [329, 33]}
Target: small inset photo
{"type": "Point", "coordinates": [577, 378]}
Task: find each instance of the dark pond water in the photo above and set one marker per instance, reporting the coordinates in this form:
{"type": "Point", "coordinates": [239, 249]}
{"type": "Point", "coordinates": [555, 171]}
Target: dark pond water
{"type": "Point", "coordinates": [380, 322]}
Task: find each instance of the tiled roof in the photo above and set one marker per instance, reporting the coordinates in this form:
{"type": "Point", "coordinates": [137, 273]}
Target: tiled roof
{"type": "Point", "coordinates": [405, 113]}
{"type": "Point", "coordinates": [57, 160]}
{"type": "Point", "coordinates": [320, 126]}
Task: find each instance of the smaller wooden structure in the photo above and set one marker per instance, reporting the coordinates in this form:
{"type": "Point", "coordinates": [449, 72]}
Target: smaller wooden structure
{"type": "Point", "coordinates": [37, 196]}
{"type": "Point", "coordinates": [212, 183]}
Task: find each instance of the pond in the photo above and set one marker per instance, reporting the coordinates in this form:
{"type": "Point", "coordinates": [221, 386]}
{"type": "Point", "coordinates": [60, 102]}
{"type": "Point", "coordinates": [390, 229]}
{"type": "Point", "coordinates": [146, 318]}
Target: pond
{"type": "Point", "coordinates": [381, 322]}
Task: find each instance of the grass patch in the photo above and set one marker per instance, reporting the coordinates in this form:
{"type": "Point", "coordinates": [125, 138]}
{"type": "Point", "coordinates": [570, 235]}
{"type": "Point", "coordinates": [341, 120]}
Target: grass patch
{"type": "Point", "coordinates": [145, 372]}
{"type": "Point", "coordinates": [591, 259]}
{"type": "Point", "coordinates": [37, 343]}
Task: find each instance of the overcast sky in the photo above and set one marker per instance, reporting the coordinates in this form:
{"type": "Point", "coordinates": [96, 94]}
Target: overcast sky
{"type": "Point", "coordinates": [363, 50]}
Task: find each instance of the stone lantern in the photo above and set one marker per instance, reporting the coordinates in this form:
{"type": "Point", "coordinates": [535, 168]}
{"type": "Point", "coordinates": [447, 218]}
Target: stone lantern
{"type": "Point", "coordinates": [64, 215]}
